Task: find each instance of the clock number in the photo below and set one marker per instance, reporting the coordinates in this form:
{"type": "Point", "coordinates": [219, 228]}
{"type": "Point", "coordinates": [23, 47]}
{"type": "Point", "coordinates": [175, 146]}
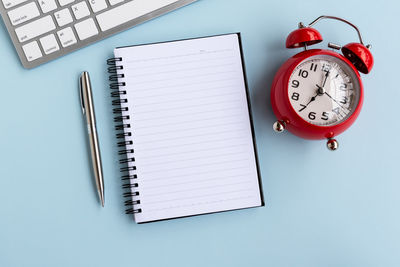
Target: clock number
{"type": "Point", "coordinates": [303, 107]}
{"type": "Point", "coordinates": [314, 67]}
{"type": "Point", "coordinates": [326, 67]}
{"type": "Point", "coordinates": [303, 73]}
{"type": "Point", "coordinates": [295, 83]}
{"type": "Point", "coordinates": [311, 115]}
{"type": "Point", "coordinates": [344, 100]}
{"type": "Point", "coordinates": [343, 87]}
{"type": "Point", "coordinates": [295, 96]}
{"type": "Point", "coordinates": [336, 110]}
{"type": "Point", "coordinates": [325, 116]}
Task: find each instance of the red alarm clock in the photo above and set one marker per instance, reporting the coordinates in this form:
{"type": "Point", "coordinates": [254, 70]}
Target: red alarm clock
{"type": "Point", "coordinates": [318, 93]}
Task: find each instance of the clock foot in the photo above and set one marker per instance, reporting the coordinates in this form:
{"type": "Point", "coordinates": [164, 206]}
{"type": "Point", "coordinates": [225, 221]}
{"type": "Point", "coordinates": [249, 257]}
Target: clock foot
{"type": "Point", "coordinates": [332, 144]}
{"type": "Point", "coordinates": [279, 126]}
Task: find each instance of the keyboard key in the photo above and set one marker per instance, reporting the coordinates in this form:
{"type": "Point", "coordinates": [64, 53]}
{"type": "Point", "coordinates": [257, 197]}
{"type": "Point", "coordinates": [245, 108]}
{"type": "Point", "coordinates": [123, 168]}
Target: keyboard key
{"type": "Point", "coordinates": [32, 51]}
{"type": "Point", "coordinates": [67, 37]}
{"type": "Point", "coordinates": [129, 11]}
{"type": "Point", "coordinates": [65, 2]}
{"type": "Point", "coordinates": [49, 44]}
{"type": "Point", "coordinates": [47, 5]}
{"type": "Point", "coordinates": [63, 17]}
{"type": "Point", "coordinates": [114, 2]}
{"type": "Point", "coordinates": [98, 5]}
{"type": "Point", "coordinates": [86, 29]}
{"type": "Point", "coordinates": [35, 28]}
{"type": "Point", "coordinates": [80, 10]}
{"type": "Point", "coordinates": [11, 3]}
{"type": "Point", "coordinates": [23, 13]}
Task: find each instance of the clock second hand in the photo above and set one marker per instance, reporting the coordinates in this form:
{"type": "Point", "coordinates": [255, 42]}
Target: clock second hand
{"type": "Point", "coordinates": [320, 90]}
{"type": "Point", "coordinates": [336, 101]}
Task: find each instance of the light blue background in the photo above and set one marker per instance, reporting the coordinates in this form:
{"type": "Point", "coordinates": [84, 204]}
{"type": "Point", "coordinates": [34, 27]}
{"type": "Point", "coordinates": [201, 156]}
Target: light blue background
{"type": "Point", "coordinates": [322, 208]}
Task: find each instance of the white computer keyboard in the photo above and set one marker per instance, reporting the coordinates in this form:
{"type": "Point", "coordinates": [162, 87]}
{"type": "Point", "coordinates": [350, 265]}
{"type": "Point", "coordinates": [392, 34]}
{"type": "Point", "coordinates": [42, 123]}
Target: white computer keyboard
{"type": "Point", "coordinates": [43, 30]}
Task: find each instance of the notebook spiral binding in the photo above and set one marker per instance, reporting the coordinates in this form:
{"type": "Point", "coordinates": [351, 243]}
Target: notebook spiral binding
{"type": "Point", "coordinates": [119, 102]}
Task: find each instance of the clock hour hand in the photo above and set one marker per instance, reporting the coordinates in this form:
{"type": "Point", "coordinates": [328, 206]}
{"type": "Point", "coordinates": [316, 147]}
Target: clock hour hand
{"type": "Point", "coordinates": [311, 100]}
{"type": "Point", "coordinates": [303, 107]}
{"type": "Point", "coordinates": [320, 91]}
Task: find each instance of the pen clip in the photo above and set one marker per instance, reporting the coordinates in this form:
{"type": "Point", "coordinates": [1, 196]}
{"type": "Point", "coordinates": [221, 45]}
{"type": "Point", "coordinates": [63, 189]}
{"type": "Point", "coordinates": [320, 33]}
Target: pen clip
{"type": "Point", "coordinates": [82, 83]}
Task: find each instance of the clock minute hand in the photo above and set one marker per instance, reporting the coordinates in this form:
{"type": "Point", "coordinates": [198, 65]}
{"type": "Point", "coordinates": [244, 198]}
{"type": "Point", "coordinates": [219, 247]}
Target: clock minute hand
{"type": "Point", "coordinates": [326, 78]}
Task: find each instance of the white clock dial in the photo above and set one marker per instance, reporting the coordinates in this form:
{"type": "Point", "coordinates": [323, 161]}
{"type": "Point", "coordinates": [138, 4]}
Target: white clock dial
{"type": "Point", "coordinates": [324, 90]}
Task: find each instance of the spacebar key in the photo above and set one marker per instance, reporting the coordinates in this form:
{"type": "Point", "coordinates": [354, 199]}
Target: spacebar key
{"type": "Point", "coordinates": [129, 11]}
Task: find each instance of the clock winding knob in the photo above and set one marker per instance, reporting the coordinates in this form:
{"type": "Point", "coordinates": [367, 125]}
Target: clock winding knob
{"type": "Point", "coordinates": [332, 144]}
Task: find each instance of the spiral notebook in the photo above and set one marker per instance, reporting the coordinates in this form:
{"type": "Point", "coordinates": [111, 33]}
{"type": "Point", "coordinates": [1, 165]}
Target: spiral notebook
{"type": "Point", "coordinates": [185, 128]}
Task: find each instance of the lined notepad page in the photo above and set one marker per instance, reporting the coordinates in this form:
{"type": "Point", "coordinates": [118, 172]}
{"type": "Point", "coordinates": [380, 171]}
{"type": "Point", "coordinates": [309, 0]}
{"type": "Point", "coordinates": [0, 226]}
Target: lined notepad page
{"type": "Point", "coordinates": [191, 128]}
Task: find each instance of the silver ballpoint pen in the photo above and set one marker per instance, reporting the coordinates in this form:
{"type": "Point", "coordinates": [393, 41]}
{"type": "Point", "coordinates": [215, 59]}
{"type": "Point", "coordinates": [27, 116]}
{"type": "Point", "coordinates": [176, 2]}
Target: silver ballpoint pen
{"type": "Point", "coordinates": [85, 89]}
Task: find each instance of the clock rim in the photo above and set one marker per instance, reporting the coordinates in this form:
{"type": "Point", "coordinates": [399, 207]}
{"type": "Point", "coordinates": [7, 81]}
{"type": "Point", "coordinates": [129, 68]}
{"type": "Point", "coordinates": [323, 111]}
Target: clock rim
{"type": "Point", "coordinates": [284, 110]}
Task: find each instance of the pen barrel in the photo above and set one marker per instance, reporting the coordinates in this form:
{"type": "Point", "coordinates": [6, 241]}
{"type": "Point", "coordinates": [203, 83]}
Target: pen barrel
{"type": "Point", "coordinates": [88, 109]}
{"type": "Point", "coordinates": [96, 160]}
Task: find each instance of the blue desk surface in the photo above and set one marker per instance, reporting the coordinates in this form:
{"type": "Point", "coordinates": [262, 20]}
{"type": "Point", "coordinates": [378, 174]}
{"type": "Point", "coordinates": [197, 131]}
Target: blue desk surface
{"type": "Point", "coordinates": [322, 208]}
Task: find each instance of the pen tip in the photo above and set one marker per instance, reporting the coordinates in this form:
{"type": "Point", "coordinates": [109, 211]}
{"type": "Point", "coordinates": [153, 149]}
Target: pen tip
{"type": "Point", "coordinates": [101, 199]}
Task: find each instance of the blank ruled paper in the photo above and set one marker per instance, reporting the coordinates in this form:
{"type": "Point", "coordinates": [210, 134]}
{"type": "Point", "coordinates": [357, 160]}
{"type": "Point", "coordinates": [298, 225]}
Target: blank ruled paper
{"type": "Point", "coordinates": [191, 129]}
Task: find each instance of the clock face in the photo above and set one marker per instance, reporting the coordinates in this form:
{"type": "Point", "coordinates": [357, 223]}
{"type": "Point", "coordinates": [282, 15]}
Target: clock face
{"type": "Point", "coordinates": [324, 90]}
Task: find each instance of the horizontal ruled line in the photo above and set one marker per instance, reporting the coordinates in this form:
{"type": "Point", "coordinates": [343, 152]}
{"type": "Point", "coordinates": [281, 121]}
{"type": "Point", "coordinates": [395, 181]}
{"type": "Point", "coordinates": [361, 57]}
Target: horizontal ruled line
{"type": "Point", "coordinates": [181, 70]}
{"type": "Point", "coordinates": [199, 165]}
{"type": "Point", "coordinates": [210, 157]}
{"type": "Point", "coordinates": [201, 203]}
{"type": "Point", "coordinates": [182, 122]}
{"type": "Point", "coordinates": [195, 181]}
{"type": "Point", "coordinates": [186, 129]}
{"type": "Point", "coordinates": [178, 63]}
{"type": "Point", "coordinates": [149, 119]}
{"type": "Point", "coordinates": [192, 173]}
{"type": "Point", "coordinates": [193, 151]}
{"type": "Point", "coordinates": [180, 56]}
{"type": "Point", "coordinates": [194, 143]}
{"type": "Point", "coordinates": [182, 77]}
{"type": "Point", "coordinates": [197, 189]}
{"type": "Point", "coordinates": [186, 91]}
{"type": "Point", "coordinates": [141, 89]}
{"type": "Point", "coordinates": [188, 136]}
{"type": "Point", "coordinates": [184, 99]}
{"type": "Point", "coordinates": [200, 196]}
{"type": "Point", "coordinates": [187, 107]}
